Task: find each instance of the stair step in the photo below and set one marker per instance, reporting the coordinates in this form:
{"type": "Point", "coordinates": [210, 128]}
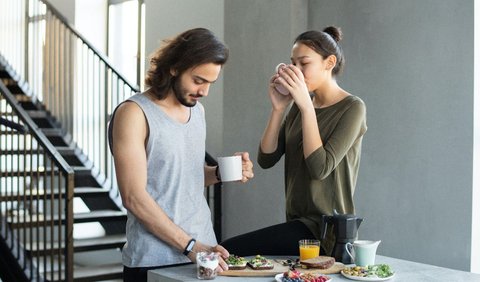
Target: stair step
{"type": "Point", "coordinates": [79, 245]}
{"type": "Point", "coordinates": [83, 175]}
{"type": "Point", "coordinates": [57, 140]}
{"type": "Point", "coordinates": [23, 98]}
{"type": "Point", "coordinates": [66, 152]}
{"type": "Point", "coordinates": [21, 173]}
{"type": "Point", "coordinates": [97, 273]}
{"type": "Point", "coordinates": [93, 273]}
{"type": "Point", "coordinates": [38, 114]}
{"type": "Point", "coordinates": [80, 170]}
{"type": "Point", "coordinates": [39, 220]}
{"type": "Point", "coordinates": [53, 131]}
{"type": "Point", "coordinates": [18, 151]}
{"type": "Point", "coordinates": [33, 150]}
{"type": "Point", "coordinates": [99, 215]}
{"type": "Point", "coordinates": [90, 192]}
{"type": "Point", "coordinates": [77, 192]}
{"type": "Point", "coordinates": [15, 89]}
{"type": "Point", "coordinates": [106, 242]}
{"type": "Point", "coordinates": [4, 74]}
{"type": "Point", "coordinates": [28, 106]}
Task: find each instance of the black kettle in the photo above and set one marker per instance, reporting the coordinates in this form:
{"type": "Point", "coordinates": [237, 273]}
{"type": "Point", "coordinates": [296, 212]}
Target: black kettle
{"type": "Point", "coordinates": [345, 227]}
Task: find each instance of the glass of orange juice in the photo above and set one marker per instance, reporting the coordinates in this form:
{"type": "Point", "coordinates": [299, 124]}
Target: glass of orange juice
{"type": "Point", "coordinates": [309, 248]}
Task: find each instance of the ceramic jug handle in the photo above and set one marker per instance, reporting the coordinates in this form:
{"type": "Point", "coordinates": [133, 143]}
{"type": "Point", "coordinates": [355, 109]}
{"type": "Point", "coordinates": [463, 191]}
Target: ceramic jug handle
{"type": "Point", "coordinates": [348, 247]}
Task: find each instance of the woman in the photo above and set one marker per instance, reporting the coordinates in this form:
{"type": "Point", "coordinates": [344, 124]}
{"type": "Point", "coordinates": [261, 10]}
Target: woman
{"type": "Point", "coordinates": [321, 139]}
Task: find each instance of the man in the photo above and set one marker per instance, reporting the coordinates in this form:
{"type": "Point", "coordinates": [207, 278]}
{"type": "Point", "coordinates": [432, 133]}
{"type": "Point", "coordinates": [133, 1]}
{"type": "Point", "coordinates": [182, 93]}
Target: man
{"type": "Point", "coordinates": [158, 143]}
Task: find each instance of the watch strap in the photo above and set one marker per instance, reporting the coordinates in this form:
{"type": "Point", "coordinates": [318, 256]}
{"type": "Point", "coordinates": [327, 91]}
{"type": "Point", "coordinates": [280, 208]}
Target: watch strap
{"type": "Point", "coordinates": [189, 246]}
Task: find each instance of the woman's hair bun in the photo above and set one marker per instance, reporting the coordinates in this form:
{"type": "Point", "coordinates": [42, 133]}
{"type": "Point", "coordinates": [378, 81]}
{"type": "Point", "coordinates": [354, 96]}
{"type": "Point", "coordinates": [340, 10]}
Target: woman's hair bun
{"type": "Point", "coordinates": [335, 32]}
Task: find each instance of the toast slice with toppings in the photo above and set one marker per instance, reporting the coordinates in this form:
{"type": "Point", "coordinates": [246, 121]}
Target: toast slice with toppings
{"type": "Point", "coordinates": [260, 263]}
{"type": "Point", "coordinates": [236, 263]}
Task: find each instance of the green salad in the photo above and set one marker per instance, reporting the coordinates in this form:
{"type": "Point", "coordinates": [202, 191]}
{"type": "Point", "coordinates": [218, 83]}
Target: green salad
{"type": "Point", "coordinates": [379, 270]}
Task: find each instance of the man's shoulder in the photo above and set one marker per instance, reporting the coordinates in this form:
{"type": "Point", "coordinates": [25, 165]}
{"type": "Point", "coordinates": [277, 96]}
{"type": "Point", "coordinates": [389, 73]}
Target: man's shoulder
{"type": "Point", "coordinates": [128, 108]}
{"type": "Point", "coordinates": [129, 115]}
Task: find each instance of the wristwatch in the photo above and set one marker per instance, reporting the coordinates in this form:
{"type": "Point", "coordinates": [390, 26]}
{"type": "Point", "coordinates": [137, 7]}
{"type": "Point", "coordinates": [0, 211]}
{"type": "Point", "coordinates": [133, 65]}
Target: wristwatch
{"type": "Point", "coordinates": [189, 247]}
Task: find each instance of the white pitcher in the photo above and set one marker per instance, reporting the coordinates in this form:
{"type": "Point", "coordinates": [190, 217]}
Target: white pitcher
{"type": "Point", "coordinates": [363, 252]}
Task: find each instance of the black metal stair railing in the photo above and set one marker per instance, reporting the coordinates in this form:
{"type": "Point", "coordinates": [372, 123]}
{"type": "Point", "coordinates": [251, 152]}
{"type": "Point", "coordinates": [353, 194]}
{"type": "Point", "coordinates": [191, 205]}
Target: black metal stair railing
{"type": "Point", "coordinates": [30, 213]}
{"type": "Point", "coordinates": [75, 82]}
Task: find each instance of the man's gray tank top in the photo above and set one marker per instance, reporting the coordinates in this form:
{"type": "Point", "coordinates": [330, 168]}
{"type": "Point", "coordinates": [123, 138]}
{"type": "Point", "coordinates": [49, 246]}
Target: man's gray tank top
{"type": "Point", "coordinates": [175, 180]}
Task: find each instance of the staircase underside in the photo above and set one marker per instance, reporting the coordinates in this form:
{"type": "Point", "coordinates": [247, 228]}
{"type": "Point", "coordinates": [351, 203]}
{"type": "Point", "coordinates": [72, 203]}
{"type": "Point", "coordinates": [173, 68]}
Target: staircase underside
{"type": "Point", "coordinates": [96, 258]}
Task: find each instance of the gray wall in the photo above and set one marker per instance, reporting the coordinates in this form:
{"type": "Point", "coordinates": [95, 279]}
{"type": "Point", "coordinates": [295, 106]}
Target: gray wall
{"type": "Point", "coordinates": [411, 62]}
{"type": "Point", "coordinates": [259, 34]}
{"type": "Point", "coordinates": [66, 8]}
{"type": "Point", "coordinates": [167, 18]}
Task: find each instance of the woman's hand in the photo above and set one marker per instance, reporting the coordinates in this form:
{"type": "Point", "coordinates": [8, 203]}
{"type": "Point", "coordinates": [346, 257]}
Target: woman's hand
{"type": "Point", "coordinates": [279, 101]}
{"type": "Point", "coordinates": [293, 80]}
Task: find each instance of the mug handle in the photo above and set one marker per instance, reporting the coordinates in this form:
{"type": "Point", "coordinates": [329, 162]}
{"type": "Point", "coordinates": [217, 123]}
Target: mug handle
{"type": "Point", "coordinates": [348, 247]}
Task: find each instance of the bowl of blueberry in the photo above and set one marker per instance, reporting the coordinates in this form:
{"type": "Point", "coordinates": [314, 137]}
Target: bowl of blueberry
{"type": "Point", "coordinates": [297, 276]}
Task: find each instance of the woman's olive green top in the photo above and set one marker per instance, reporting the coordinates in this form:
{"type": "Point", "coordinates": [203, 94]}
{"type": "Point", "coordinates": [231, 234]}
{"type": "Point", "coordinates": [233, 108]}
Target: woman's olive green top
{"type": "Point", "coordinates": [326, 179]}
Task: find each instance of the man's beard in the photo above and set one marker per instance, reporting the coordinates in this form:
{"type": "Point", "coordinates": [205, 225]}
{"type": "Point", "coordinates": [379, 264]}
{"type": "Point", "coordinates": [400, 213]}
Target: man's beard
{"type": "Point", "coordinates": [181, 94]}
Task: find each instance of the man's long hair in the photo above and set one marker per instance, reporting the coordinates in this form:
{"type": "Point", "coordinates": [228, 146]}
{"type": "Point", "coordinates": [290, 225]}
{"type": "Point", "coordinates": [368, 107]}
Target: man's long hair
{"type": "Point", "coordinates": [191, 48]}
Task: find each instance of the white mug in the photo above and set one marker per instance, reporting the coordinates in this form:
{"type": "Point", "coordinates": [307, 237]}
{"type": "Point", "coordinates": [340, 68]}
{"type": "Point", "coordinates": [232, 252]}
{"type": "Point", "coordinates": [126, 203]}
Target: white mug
{"type": "Point", "coordinates": [230, 168]}
{"type": "Point", "coordinates": [362, 252]}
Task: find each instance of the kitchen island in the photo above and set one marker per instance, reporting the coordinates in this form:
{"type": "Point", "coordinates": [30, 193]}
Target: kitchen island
{"type": "Point", "coordinates": [404, 271]}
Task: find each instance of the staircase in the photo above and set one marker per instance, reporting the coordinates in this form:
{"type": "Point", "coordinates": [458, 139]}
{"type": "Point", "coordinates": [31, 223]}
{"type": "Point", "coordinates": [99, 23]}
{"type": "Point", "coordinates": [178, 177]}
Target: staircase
{"type": "Point", "coordinates": [60, 212]}
{"type": "Point", "coordinates": [96, 257]}
{"type": "Point", "coordinates": [61, 217]}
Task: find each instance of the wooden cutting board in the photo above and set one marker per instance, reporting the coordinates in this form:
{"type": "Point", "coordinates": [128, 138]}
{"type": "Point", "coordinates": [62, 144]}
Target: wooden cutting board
{"type": "Point", "coordinates": [279, 268]}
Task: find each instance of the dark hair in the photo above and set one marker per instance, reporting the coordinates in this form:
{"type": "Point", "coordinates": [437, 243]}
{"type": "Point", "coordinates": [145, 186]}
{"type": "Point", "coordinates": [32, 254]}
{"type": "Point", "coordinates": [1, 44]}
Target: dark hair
{"type": "Point", "coordinates": [325, 43]}
{"type": "Point", "coordinates": [191, 48]}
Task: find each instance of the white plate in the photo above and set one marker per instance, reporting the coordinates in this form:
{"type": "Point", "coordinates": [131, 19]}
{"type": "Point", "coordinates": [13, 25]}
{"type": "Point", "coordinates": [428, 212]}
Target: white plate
{"type": "Point", "coordinates": [279, 277]}
{"type": "Point", "coordinates": [367, 278]}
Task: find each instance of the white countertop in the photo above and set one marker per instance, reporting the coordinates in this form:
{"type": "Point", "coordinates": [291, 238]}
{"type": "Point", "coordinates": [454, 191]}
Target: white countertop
{"type": "Point", "coordinates": [404, 271]}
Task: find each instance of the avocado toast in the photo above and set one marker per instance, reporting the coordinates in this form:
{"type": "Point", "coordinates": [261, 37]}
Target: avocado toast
{"type": "Point", "coordinates": [260, 263]}
{"type": "Point", "coordinates": [236, 263]}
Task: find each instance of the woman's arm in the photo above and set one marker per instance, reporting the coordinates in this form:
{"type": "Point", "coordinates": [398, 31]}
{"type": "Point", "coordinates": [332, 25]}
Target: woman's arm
{"type": "Point", "coordinates": [268, 151]}
{"type": "Point", "coordinates": [269, 141]}
{"type": "Point", "coordinates": [292, 78]}
{"type": "Point", "coordinates": [348, 130]}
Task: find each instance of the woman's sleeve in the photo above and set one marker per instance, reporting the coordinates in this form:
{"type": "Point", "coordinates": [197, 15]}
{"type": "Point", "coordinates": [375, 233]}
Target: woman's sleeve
{"type": "Point", "coordinates": [270, 159]}
{"type": "Point", "coordinates": [351, 126]}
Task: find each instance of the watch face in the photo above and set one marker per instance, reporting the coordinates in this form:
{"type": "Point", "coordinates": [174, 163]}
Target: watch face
{"type": "Point", "coordinates": [189, 247]}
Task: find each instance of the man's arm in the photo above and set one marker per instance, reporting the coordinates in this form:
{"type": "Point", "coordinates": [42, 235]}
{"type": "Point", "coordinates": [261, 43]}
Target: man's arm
{"type": "Point", "coordinates": [129, 135]}
{"type": "Point", "coordinates": [210, 175]}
